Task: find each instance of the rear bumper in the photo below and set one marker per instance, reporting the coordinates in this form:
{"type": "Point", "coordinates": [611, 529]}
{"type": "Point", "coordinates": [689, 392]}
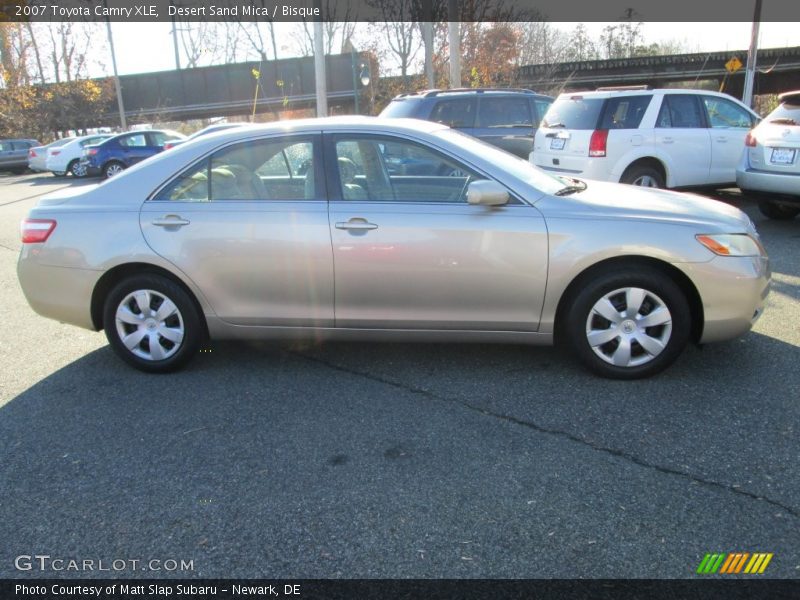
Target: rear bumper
{"type": "Point", "coordinates": [769, 182]}
{"type": "Point", "coordinates": [59, 293]}
{"type": "Point", "coordinates": [733, 291]}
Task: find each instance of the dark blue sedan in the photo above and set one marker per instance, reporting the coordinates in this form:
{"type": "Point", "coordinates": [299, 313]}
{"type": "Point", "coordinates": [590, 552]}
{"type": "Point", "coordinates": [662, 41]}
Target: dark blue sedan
{"type": "Point", "coordinates": [121, 151]}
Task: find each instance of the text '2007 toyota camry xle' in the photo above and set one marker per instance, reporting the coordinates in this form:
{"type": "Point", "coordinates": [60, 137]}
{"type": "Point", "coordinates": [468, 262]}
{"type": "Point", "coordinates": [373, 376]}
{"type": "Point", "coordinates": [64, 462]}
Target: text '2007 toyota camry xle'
{"type": "Point", "coordinates": [368, 229]}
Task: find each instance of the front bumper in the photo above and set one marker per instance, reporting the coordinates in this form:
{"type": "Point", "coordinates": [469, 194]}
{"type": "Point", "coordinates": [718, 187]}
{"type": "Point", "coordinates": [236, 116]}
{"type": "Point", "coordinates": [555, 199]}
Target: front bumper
{"type": "Point", "coordinates": [772, 183]}
{"type": "Point", "coordinates": [733, 291]}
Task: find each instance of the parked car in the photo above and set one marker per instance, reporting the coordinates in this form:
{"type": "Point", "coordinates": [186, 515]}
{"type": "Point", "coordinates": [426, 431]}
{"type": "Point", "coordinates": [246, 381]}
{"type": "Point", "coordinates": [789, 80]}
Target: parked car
{"type": "Point", "coordinates": [14, 154]}
{"type": "Point", "coordinates": [653, 138]}
{"type": "Point", "coordinates": [67, 158]}
{"type": "Point", "coordinates": [506, 118]}
{"type": "Point", "coordinates": [117, 153]}
{"type": "Point", "coordinates": [770, 163]}
{"type": "Point", "coordinates": [298, 230]}
{"type": "Point", "coordinates": [205, 131]}
{"type": "Point", "coordinates": [37, 156]}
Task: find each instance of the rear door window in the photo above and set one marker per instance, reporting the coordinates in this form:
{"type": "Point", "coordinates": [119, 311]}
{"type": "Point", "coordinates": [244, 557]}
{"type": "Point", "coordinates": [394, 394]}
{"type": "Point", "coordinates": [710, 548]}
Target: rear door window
{"type": "Point", "coordinates": [574, 112]}
{"type": "Point", "coordinates": [455, 112]}
{"type": "Point", "coordinates": [504, 112]}
{"type": "Point", "coordinates": [680, 111]}
{"type": "Point", "coordinates": [138, 140]}
{"type": "Point", "coordinates": [625, 112]}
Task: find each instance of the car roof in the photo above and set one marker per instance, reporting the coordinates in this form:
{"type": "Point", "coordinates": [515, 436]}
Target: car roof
{"type": "Point", "coordinates": [463, 91]}
{"type": "Point", "coordinates": [790, 97]}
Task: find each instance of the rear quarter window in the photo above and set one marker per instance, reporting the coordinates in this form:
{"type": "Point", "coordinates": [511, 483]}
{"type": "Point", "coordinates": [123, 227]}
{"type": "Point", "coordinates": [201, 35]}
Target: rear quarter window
{"type": "Point", "coordinates": [574, 112]}
{"type": "Point", "coordinates": [625, 112]}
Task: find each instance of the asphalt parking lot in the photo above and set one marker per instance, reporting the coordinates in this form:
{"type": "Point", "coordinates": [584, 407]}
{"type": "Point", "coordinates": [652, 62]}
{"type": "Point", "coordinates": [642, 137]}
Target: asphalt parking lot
{"type": "Point", "coordinates": [382, 460]}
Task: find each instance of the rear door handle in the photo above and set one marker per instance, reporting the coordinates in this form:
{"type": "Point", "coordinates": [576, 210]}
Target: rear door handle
{"type": "Point", "coordinates": [171, 221]}
{"type": "Point", "coordinates": [357, 225]}
{"type": "Point", "coordinates": [667, 140]}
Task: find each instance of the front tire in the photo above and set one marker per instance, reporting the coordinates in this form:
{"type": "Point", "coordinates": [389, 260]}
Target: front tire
{"type": "Point", "coordinates": [628, 324]}
{"type": "Point", "coordinates": [152, 323]}
{"type": "Point", "coordinates": [778, 212]}
{"type": "Point", "coordinates": [643, 176]}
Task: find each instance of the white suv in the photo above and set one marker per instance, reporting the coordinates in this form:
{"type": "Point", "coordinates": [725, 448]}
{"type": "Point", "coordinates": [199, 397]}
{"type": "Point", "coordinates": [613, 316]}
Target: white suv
{"type": "Point", "coordinates": [653, 138]}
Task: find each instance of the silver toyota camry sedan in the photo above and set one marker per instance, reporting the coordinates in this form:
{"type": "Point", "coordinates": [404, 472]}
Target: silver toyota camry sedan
{"type": "Point", "coordinates": [368, 229]}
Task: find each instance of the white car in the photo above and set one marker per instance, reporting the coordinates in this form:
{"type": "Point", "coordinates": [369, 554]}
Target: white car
{"type": "Point", "coordinates": [37, 156]}
{"type": "Point", "coordinates": [770, 164]}
{"type": "Point", "coordinates": [653, 138]}
{"type": "Point", "coordinates": [67, 158]}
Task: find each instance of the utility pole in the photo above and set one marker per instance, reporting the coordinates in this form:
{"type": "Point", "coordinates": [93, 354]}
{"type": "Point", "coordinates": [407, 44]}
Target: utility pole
{"type": "Point", "coordinates": [319, 70]}
{"type": "Point", "coordinates": [454, 40]}
{"type": "Point", "coordinates": [120, 105]}
{"type": "Point", "coordinates": [427, 39]}
{"type": "Point", "coordinates": [750, 69]}
{"type": "Point", "coordinates": [175, 44]}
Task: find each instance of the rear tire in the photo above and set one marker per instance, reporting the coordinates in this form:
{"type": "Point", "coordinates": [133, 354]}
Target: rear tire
{"type": "Point", "coordinates": [779, 212]}
{"type": "Point", "coordinates": [113, 168]}
{"type": "Point", "coordinates": [152, 323]}
{"type": "Point", "coordinates": [643, 176]}
{"type": "Point", "coordinates": [627, 324]}
{"type": "Point", "coordinates": [76, 169]}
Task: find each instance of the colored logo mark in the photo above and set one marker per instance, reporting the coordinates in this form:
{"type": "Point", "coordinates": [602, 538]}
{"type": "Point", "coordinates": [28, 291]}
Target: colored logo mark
{"type": "Point", "coordinates": [734, 562]}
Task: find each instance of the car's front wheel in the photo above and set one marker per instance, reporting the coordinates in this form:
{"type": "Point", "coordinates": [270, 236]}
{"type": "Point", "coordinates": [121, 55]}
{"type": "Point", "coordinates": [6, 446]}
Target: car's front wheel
{"type": "Point", "coordinates": [627, 324]}
{"type": "Point", "coordinates": [779, 212]}
{"type": "Point", "coordinates": [152, 323]}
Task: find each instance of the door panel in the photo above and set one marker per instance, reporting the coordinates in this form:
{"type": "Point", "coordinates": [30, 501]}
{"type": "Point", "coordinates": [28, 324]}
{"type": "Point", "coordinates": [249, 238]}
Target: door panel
{"type": "Point", "coordinates": [438, 266]}
{"type": "Point", "coordinates": [681, 134]}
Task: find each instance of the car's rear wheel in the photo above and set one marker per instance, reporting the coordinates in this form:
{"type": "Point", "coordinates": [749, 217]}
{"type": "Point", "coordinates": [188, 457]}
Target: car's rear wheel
{"type": "Point", "coordinates": [628, 324]}
{"type": "Point", "coordinates": [59, 173]}
{"type": "Point", "coordinates": [780, 212]}
{"type": "Point", "coordinates": [643, 176]}
{"type": "Point", "coordinates": [76, 168]}
{"type": "Point", "coordinates": [152, 323]}
{"type": "Point", "coordinates": [113, 168]}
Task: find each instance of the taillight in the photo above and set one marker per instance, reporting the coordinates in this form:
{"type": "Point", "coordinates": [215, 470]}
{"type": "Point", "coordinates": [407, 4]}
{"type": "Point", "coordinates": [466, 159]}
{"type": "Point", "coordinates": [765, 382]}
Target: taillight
{"type": "Point", "coordinates": [31, 153]}
{"type": "Point", "coordinates": [167, 145]}
{"type": "Point", "coordinates": [597, 143]}
{"type": "Point", "coordinates": [36, 231]}
{"type": "Point", "coordinates": [750, 141]}
{"type": "Point", "coordinates": [91, 152]}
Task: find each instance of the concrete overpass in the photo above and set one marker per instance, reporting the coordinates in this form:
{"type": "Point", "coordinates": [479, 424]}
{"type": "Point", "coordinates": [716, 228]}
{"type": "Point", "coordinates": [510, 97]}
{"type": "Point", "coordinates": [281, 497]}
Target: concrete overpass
{"type": "Point", "coordinates": [778, 71]}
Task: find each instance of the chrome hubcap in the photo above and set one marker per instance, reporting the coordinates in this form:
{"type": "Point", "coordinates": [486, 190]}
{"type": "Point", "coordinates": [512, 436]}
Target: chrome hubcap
{"type": "Point", "coordinates": [78, 170]}
{"type": "Point", "coordinates": [149, 325]}
{"type": "Point", "coordinates": [629, 327]}
{"type": "Point", "coordinates": [646, 181]}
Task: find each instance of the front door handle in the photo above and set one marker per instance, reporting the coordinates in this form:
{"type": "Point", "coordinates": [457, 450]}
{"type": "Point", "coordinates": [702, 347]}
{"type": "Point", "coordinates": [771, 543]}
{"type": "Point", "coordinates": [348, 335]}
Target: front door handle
{"type": "Point", "coordinates": [171, 221]}
{"type": "Point", "coordinates": [356, 225]}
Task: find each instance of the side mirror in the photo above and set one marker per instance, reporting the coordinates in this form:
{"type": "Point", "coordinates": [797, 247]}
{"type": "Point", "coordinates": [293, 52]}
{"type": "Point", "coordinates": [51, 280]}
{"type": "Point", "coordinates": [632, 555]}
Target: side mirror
{"type": "Point", "coordinates": [487, 193]}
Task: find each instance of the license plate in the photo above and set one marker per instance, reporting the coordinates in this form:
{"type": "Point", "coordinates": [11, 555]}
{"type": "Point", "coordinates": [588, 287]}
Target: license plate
{"type": "Point", "coordinates": [782, 156]}
{"type": "Point", "coordinates": [557, 143]}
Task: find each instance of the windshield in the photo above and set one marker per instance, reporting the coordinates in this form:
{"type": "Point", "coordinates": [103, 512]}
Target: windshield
{"type": "Point", "coordinates": [574, 112]}
{"type": "Point", "coordinates": [513, 165]}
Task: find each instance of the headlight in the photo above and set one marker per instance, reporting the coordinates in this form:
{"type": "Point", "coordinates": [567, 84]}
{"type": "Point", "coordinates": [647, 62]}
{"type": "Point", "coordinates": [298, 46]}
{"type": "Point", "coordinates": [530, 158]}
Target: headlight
{"type": "Point", "coordinates": [732, 244]}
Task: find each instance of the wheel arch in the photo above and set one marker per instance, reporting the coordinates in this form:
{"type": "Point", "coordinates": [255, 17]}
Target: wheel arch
{"type": "Point", "coordinates": [652, 162]}
{"type": "Point", "coordinates": [116, 274]}
{"type": "Point", "coordinates": [615, 263]}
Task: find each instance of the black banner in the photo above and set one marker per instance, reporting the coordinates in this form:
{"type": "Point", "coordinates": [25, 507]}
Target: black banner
{"type": "Point", "coordinates": [478, 589]}
{"type": "Point", "coordinates": [394, 10]}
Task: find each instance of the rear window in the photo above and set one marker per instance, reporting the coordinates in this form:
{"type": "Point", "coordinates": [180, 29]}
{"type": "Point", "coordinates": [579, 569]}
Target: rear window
{"type": "Point", "coordinates": [788, 111]}
{"type": "Point", "coordinates": [399, 109]}
{"type": "Point", "coordinates": [625, 112]}
{"type": "Point", "coordinates": [574, 112]}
